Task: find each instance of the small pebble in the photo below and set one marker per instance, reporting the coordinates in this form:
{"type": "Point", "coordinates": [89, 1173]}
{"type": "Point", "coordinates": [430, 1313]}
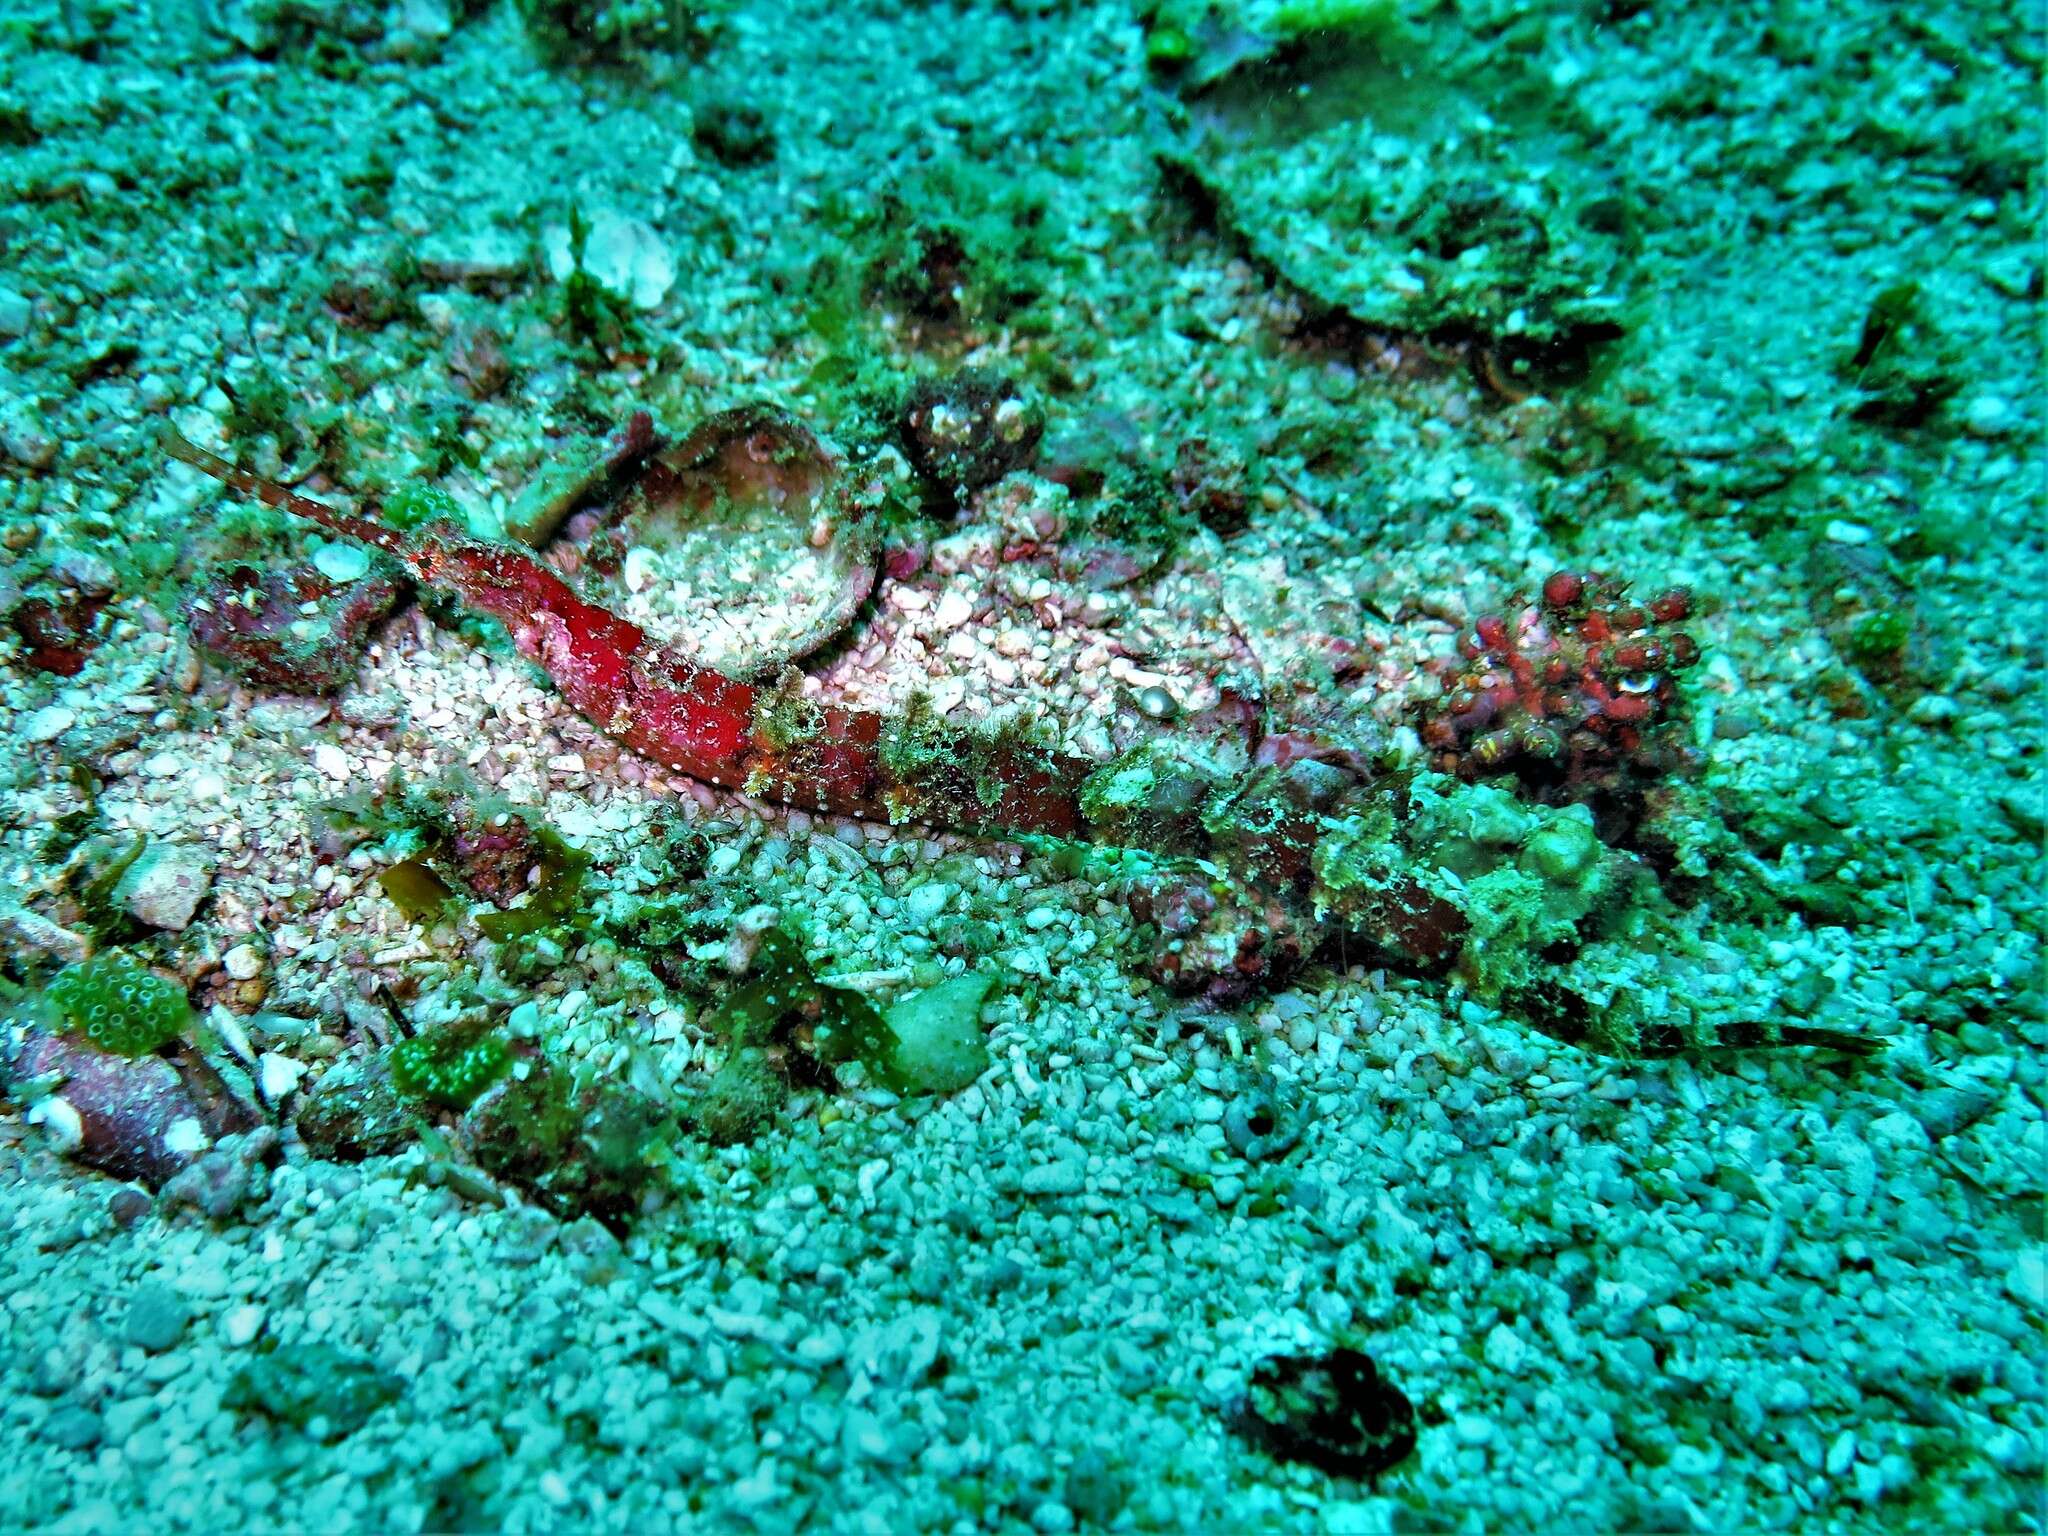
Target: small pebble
{"type": "Point", "coordinates": [928, 900]}
{"type": "Point", "coordinates": [1788, 1395]}
{"type": "Point", "coordinates": [341, 563]}
{"type": "Point", "coordinates": [1988, 416]}
{"type": "Point", "coordinates": [157, 1317]}
{"type": "Point", "coordinates": [2027, 1281]}
{"type": "Point", "coordinates": [72, 1428]}
{"type": "Point", "coordinates": [163, 888]}
{"type": "Point", "coordinates": [1932, 709]}
{"type": "Point", "coordinates": [16, 313]}
{"type": "Point", "coordinates": [127, 1206]}
{"type": "Point", "coordinates": [1157, 703]}
{"type": "Point", "coordinates": [241, 1326]}
{"type": "Point", "coordinates": [48, 723]}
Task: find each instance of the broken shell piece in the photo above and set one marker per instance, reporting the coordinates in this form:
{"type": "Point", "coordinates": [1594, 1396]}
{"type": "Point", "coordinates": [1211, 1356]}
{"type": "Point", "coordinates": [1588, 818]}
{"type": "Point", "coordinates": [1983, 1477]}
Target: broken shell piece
{"type": "Point", "coordinates": [578, 474]}
{"type": "Point", "coordinates": [745, 546]}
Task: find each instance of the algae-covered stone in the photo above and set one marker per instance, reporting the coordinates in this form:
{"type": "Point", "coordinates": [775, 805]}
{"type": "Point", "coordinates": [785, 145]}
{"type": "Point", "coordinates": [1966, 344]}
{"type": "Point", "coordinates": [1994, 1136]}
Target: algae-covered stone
{"type": "Point", "coordinates": [313, 1387]}
{"type": "Point", "coordinates": [590, 1151]}
{"type": "Point", "coordinates": [741, 1099]}
{"type": "Point", "coordinates": [1334, 1411]}
{"type": "Point", "coordinates": [157, 1318]}
{"type": "Point", "coordinates": [356, 1113]}
{"type": "Point", "coordinates": [1564, 850]}
{"type": "Point", "coordinates": [1399, 191]}
{"type": "Point", "coordinates": [939, 1046]}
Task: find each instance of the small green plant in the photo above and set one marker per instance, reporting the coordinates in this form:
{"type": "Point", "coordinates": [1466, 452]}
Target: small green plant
{"type": "Point", "coordinates": [448, 1068]}
{"type": "Point", "coordinates": [591, 312]}
{"type": "Point", "coordinates": [417, 503]}
{"type": "Point", "coordinates": [1879, 637]}
{"type": "Point", "coordinates": [119, 1005]}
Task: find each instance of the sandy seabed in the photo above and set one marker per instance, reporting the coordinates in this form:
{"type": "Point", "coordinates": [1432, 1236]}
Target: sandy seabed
{"type": "Point", "coordinates": [1725, 1289]}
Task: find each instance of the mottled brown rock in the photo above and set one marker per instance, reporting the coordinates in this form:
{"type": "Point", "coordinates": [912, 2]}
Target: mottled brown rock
{"type": "Point", "coordinates": [355, 1113]}
{"type": "Point", "coordinates": [144, 1119]}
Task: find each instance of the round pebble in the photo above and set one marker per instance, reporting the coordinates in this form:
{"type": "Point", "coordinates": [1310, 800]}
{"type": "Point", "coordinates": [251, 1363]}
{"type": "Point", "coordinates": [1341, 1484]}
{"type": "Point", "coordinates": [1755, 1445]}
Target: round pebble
{"type": "Point", "coordinates": [72, 1428]}
{"type": "Point", "coordinates": [341, 563]}
{"type": "Point", "coordinates": [157, 1317]}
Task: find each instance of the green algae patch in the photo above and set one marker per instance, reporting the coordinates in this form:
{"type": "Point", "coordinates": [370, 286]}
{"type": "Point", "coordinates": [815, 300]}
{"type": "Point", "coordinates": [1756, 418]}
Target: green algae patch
{"type": "Point", "coordinates": [413, 506]}
{"type": "Point", "coordinates": [928, 1042]}
{"type": "Point", "coordinates": [415, 890]}
{"type": "Point", "coordinates": [448, 1069]}
{"type": "Point", "coordinates": [120, 1005]}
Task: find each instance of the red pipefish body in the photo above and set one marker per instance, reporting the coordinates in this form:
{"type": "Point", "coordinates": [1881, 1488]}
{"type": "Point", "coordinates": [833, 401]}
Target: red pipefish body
{"type": "Point", "coordinates": [694, 718]}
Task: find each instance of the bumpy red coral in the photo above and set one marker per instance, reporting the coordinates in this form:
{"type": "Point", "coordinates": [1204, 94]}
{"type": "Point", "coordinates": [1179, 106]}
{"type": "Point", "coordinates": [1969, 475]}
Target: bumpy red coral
{"type": "Point", "coordinates": [1569, 693]}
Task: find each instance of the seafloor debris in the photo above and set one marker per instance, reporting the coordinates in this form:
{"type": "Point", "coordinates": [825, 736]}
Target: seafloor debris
{"type": "Point", "coordinates": [969, 430]}
{"type": "Point", "coordinates": [225, 1178]}
{"type": "Point", "coordinates": [464, 843]}
{"type": "Point", "coordinates": [1334, 1411]}
{"type": "Point", "coordinates": [58, 629]}
{"type": "Point", "coordinates": [298, 629]}
{"type": "Point", "coordinates": [1362, 170]}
